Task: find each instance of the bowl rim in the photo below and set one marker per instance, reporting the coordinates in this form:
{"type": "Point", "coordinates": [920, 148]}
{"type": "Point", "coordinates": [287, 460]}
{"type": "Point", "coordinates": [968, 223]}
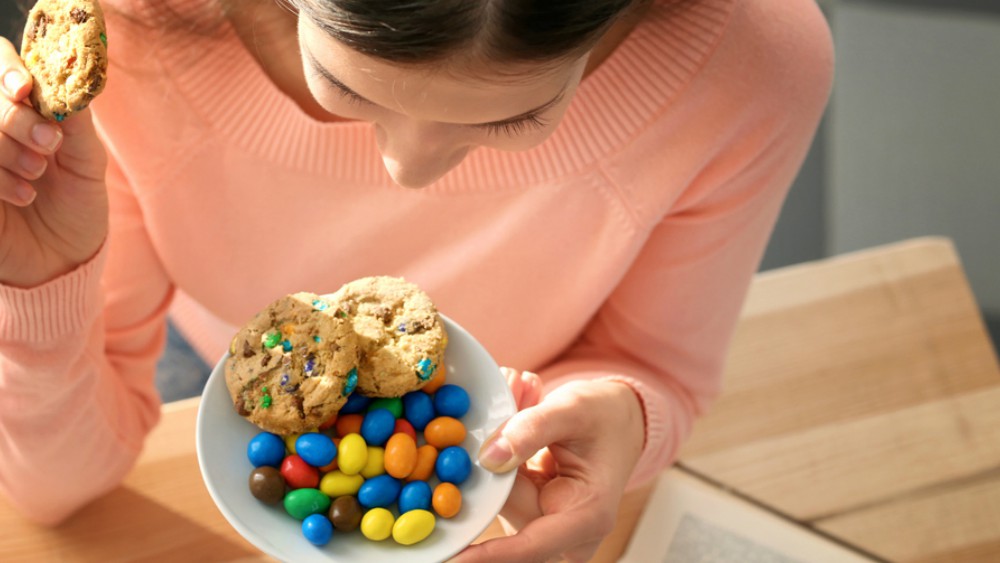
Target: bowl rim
{"type": "Point", "coordinates": [506, 480]}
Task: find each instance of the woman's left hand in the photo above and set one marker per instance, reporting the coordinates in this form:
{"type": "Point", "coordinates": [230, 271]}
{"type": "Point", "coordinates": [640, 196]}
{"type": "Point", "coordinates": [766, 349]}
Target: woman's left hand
{"type": "Point", "coordinates": [575, 451]}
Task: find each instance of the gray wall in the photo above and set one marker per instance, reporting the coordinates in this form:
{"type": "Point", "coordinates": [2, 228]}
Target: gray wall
{"type": "Point", "coordinates": [911, 142]}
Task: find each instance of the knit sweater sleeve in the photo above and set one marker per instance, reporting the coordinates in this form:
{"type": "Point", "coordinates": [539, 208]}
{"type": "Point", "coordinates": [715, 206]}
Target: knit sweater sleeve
{"type": "Point", "coordinates": [77, 360]}
{"type": "Point", "coordinates": [666, 327]}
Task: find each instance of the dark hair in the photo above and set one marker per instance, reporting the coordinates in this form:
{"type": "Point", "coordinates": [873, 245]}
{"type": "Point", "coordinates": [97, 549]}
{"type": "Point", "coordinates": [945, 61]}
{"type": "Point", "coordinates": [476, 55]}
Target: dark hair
{"type": "Point", "coordinates": [498, 31]}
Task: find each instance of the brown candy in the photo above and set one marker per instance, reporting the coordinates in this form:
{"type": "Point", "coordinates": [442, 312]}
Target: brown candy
{"type": "Point", "coordinates": [267, 484]}
{"type": "Point", "coordinates": [345, 513]}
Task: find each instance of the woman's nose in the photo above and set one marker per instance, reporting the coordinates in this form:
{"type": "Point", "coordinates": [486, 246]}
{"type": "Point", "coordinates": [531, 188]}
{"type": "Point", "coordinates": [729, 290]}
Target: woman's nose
{"type": "Point", "coordinates": [417, 153]}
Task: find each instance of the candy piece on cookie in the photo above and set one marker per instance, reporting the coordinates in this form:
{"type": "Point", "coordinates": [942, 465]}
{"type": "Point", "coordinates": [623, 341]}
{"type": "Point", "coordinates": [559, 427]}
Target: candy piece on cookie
{"type": "Point", "coordinates": [65, 50]}
{"type": "Point", "coordinates": [292, 366]}
{"type": "Point", "coordinates": [402, 337]}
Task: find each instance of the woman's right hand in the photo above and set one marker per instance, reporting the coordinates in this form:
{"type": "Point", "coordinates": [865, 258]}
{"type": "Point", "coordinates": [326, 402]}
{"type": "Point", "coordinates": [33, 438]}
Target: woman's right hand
{"type": "Point", "coordinates": [53, 197]}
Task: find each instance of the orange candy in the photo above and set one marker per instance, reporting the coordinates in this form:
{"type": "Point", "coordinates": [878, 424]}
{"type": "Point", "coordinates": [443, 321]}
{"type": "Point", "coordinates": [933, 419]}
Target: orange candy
{"type": "Point", "coordinates": [400, 455]}
{"type": "Point", "coordinates": [349, 424]}
{"type": "Point", "coordinates": [436, 382]}
{"type": "Point", "coordinates": [447, 500]}
{"type": "Point", "coordinates": [424, 468]}
{"type": "Point", "coordinates": [444, 431]}
{"type": "Point", "coordinates": [333, 464]}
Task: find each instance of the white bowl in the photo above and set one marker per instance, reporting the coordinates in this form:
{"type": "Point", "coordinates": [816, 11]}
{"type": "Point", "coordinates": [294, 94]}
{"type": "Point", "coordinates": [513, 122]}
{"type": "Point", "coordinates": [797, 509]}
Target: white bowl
{"type": "Point", "coordinates": [222, 438]}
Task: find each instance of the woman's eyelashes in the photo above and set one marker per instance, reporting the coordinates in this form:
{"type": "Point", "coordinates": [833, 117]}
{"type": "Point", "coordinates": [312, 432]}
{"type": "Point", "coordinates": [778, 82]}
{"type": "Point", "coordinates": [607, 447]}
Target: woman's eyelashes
{"type": "Point", "coordinates": [511, 128]}
{"type": "Point", "coordinates": [514, 127]}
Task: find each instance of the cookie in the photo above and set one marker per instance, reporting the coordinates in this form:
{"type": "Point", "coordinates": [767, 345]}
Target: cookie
{"type": "Point", "coordinates": [293, 365]}
{"type": "Point", "coordinates": [65, 50]}
{"type": "Point", "coordinates": [402, 338]}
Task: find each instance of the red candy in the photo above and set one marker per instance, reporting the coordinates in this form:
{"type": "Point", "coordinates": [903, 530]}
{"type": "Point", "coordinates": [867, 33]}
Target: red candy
{"type": "Point", "coordinates": [405, 427]}
{"type": "Point", "coordinates": [330, 423]}
{"type": "Point", "coordinates": [299, 474]}
{"type": "Point", "coordinates": [349, 424]}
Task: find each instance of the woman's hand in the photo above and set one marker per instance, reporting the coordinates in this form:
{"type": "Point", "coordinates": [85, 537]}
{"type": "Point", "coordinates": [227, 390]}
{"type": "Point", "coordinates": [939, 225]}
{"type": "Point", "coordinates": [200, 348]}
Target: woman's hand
{"type": "Point", "coordinates": [53, 199]}
{"type": "Point", "coordinates": [575, 451]}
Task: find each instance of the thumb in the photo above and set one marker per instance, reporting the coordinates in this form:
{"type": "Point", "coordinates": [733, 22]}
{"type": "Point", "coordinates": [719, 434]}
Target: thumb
{"type": "Point", "coordinates": [525, 433]}
{"type": "Point", "coordinates": [81, 151]}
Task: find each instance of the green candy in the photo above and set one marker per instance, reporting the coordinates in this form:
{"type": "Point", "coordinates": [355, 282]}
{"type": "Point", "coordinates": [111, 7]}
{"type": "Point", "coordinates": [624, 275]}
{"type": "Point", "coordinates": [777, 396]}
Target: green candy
{"type": "Point", "coordinates": [272, 339]}
{"type": "Point", "coordinates": [393, 405]}
{"type": "Point", "coordinates": [301, 503]}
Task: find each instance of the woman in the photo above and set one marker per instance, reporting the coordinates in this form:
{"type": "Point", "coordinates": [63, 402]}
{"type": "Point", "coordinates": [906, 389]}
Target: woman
{"type": "Point", "coordinates": [597, 181]}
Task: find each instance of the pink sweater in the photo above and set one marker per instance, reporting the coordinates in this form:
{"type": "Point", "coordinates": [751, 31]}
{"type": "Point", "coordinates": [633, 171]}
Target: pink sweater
{"type": "Point", "coordinates": [621, 247]}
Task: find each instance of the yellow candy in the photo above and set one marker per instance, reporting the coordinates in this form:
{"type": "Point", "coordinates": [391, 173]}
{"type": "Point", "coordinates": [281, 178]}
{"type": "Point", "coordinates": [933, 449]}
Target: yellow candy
{"type": "Point", "coordinates": [377, 524]}
{"type": "Point", "coordinates": [336, 484]}
{"type": "Point", "coordinates": [352, 454]}
{"type": "Point", "coordinates": [412, 527]}
{"type": "Point", "coordinates": [376, 463]}
{"type": "Point", "coordinates": [290, 442]}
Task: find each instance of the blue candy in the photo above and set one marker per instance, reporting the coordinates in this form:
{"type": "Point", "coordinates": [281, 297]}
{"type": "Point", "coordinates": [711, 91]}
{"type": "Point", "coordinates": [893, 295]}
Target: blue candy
{"type": "Point", "coordinates": [415, 496]}
{"type": "Point", "coordinates": [418, 408]}
{"type": "Point", "coordinates": [317, 529]}
{"type": "Point", "coordinates": [377, 426]}
{"type": "Point", "coordinates": [266, 449]}
{"type": "Point", "coordinates": [451, 400]}
{"type": "Point", "coordinates": [356, 403]}
{"type": "Point", "coordinates": [379, 491]}
{"type": "Point", "coordinates": [453, 465]}
{"type": "Point", "coordinates": [316, 449]}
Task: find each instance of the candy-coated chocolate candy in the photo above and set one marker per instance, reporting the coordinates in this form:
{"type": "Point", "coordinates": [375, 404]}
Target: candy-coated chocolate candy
{"type": "Point", "coordinates": [378, 426]}
{"type": "Point", "coordinates": [349, 424]}
{"type": "Point", "coordinates": [436, 381]}
{"type": "Point", "coordinates": [353, 454]}
{"type": "Point", "coordinates": [451, 400]}
{"type": "Point", "coordinates": [266, 449]}
{"type": "Point", "coordinates": [303, 502]}
{"type": "Point", "coordinates": [267, 484]}
{"type": "Point", "coordinates": [317, 529]}
{"type": "Point", "coordinates": [404, 427]}
{"type": "Point", "coordinates": [391, 404]}
{"type": "Point", "coordinates": [329, 423]}
{"type": "Point", "coordinates": [379, 491]}
{"type": "Point", "coordinates": [337, 484]}
{"type": "Point", "coordinates": [447, 500]}
{"type": "Point", "coordinates": [414, 496]}
{"type": "Point", "coordinates": [317, 449]}
{"type": "Point", "coordinates": [332, 466]}
{"type": "Point", "coordinates": [444, 431]}
{"type": "Point", "coordinates": [299, 474]}
{"type": "Point", "coordinates": [356, 403]}
{"type": "Point", "coordinates": [290, 443]}
{"type": "Point", "coordinates": [412, 527]}
{"type": "Point", "coordinates": [453, 465]}
{"type": "Point", "coordinates": [418, 408]}
{"type": "Point", "coordinates": [400, 456]}
{"type": "Point", "coordinates": [424, 468]}
{"type": "Point", "coordinates": [377, 523]}
{"type": "Point", "coordinates": [345, 513]}
{"type": "Point", "coordinates": [376, 463]}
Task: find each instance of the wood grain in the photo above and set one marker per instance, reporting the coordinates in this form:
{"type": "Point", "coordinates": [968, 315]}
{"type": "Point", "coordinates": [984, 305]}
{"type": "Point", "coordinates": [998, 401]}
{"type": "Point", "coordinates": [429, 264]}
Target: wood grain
{"type": "Point", "coordinates": [854, 386]}
{"type": "Point", "coordinates": [956, 522]}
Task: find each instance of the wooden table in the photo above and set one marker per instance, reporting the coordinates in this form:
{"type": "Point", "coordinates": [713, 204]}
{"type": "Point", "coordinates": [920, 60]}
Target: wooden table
{"type": "Point", "coordinates": [862, 400]}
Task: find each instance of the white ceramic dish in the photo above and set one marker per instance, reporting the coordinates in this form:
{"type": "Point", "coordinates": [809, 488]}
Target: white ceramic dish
{"type": "Point", "coordinates": [222, 438]}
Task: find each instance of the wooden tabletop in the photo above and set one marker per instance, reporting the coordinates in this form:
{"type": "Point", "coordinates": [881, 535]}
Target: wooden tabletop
{"type": "Point", "coordinates": [861, 400]}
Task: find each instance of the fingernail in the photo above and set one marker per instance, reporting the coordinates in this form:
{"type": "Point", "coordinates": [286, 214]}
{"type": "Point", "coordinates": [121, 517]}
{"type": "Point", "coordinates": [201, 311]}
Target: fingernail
{"type": "Point", "coordinates": [46, 136]}
{"type": "Point", "coordinates": [31, 163]}
{"type": "Point", "coordinates": [13, 80]}
{"type": "Point", "coordinates": [24, 192]}
{"type": "Point", "coordinates": [497, 455]}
